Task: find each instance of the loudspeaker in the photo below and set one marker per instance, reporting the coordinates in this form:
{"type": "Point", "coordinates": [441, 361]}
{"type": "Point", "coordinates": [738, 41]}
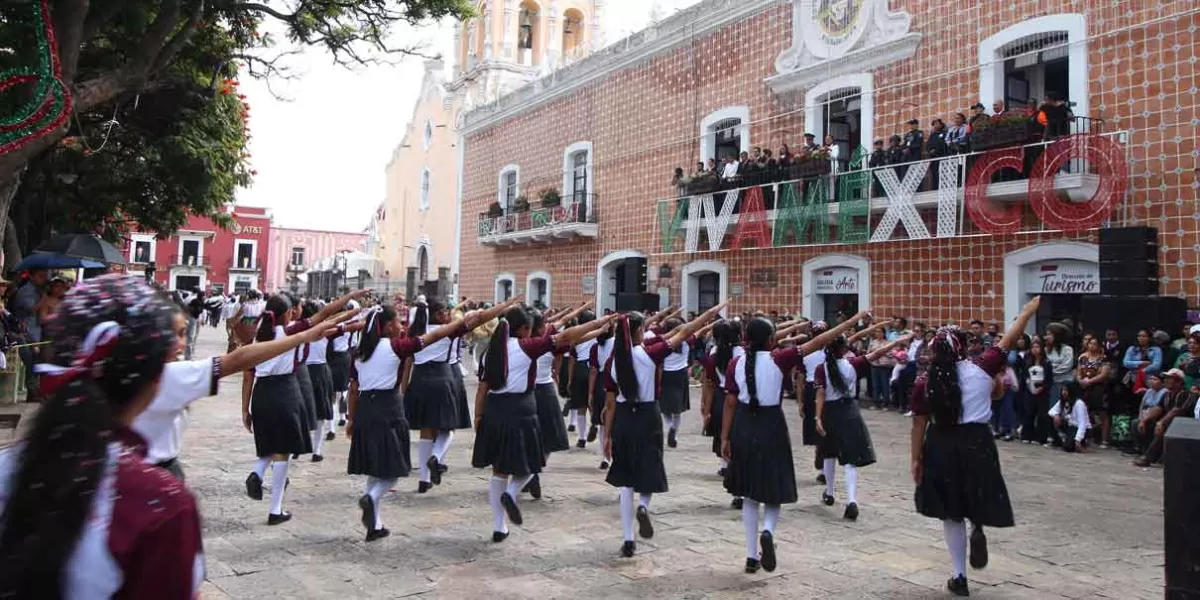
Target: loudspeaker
{"type": "Point", "coordinates": [635, 275]}
{"type": "Point", "coordinates": [1128, 269]}
{"type": "Point", "coordinates": [629, 301]}
{"type": "Point", "coordinates": [1120, 236]}
{"type": "Point", "coordinates": [650, 301]}
{"type": "Point", "coordinates": [1129, 314]}
{"type": "Point", "coordinates": [1128, 252]}
{"type": "Point", "coordinates": [1181, 509]}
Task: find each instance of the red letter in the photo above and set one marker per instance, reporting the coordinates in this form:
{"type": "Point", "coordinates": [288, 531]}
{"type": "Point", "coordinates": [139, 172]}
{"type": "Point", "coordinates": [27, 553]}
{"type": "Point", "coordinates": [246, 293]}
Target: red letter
{"type": "Point", "coordinates": [752, 223]}
{"type": "Point", "coordinates": [1106, 163]}
{"type": "Point", "coordinates": [986, 215]}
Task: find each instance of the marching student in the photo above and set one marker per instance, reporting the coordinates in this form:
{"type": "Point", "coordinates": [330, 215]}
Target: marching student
{"type": "Point", "coordinates": [578, 377]}
{"type": "Point", "coordinates": [378, 430]}
{"type": "Point", "coordinates": [674, 395]}
{"type": "Point", "coordinates": [633, 428]}
{"type": "Point", "coordinates": [507, 433]}
{"type": "Point", "coordinates": [302, 378]}
{"type": "Point", "coordinates": [338, 360]}
{"type": "Point", "coordinates": [315, 362]}
{"type": "Point", "coordinates": [844, 435]}
{"type": "Point", "coordinates": [808, 402]}
{"type": "Point", "coordinates": [728, 337]}
{"type": "Point", "coordinates": [431, 398]}
{"type": "Point", "coordinates": [954, 460]}
{"type": "Point", "coordinates": [754, 433]}
{"type": "Point", "coordinates": [600, 353]}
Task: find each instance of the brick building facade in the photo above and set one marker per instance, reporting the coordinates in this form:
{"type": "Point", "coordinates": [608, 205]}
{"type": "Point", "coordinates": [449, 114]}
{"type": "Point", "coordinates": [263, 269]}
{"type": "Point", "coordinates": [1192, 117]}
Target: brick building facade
{"type": "Point", "coordinates": [727, 76]}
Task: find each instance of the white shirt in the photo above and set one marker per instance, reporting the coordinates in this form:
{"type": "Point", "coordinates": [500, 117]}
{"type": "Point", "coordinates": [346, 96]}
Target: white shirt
{"type": "Point", "coordinates": [769, 371]}
{"type": "Point", "coordinates": [678, 360]}
{"type": "Point", "coordinates": [438, 351]}
{"type": "Point", "coordinates": [730, 170]}
{"type": "Point", "coordinates": [545, 369]}
{"type": "Point", "coordinates": [738, 352]}
{"type": "Point", "coordinates": [163, 422]}
{"type": "Point", "coordinates": [316, 352]}
{"type": "Point", "coordinates": [811, 362]}
{"type": "Point", "coordinates": [280, 365]}
{"type": "Point", "coordinates": [1078, 418]}
{"type": "Point", "coordinates": [522, 372]}
{"type": "Point", "coordinates": [341, 343]}
{"type": "Point", "coordinates": [382, 370]}
{"type": "Point", "coordinates": [603, 351]}
{"type": "Point", "coordinates": [583, 351]}
{"type": "Point", "coordinates": [850, 369]}
{"type": "Point", "coordinates": [645, 370]}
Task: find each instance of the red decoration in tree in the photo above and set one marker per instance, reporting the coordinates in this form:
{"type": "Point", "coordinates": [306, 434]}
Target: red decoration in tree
{"type": "Point", "coordinates": [752, 225]}
{"type": "Point", "coordinates": [983, 212]}
{"type": "Point", "coordinates": [1106, 161]}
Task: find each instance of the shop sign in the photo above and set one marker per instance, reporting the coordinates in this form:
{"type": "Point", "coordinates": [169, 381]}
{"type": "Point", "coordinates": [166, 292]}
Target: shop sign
{"type": "Point", "coordinates": [738, 289]}
{"type": "Point", "coordinates": [589, 284]}
{"type": "Point", "coordinates": [839, 280]}
{"type": "Point", "coordinates": [1063, 277]}
{"type": "Point", "coordinates": [239, 229]}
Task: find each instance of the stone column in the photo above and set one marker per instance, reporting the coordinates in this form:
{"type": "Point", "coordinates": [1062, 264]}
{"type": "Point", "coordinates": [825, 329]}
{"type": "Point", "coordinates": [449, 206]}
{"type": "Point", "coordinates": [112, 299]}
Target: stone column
{"type": "Point", "coordinates": [443, 284]}
{"type": "Point", "coordinates": [487, 31]}
{"type": "Point", "coordinates": [410, 284]}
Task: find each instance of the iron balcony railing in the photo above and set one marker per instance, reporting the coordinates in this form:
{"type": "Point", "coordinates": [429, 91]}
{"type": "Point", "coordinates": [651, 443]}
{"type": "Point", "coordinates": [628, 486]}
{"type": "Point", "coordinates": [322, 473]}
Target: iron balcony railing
{"type": "Point", "coordinates": [574, 209]}
{"type": "Point", "coordinates": [190, 260]}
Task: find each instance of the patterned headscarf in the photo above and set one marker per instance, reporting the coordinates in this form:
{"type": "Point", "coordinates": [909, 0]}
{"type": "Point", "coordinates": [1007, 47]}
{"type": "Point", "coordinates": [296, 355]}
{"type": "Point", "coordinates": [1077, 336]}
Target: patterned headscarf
{"type": "Point", "coordinates": [820, 327]}
{"type": "Point", "coordinates": [952, 336]}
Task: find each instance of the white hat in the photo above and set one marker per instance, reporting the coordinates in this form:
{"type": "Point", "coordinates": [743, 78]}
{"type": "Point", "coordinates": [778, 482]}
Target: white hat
{"type": "Point", "coordinates": [1195, 329]}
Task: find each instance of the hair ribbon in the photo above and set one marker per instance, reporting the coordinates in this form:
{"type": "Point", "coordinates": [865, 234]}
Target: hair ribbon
{"type": "Point", "coordinates": [96, 346]}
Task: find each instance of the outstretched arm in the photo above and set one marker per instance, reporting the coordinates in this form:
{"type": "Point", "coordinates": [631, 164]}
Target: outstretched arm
{"type": "Point", "coordinates": [1017, 328]}
{"type": "Point", "coordinates": [336, 306]}
{"type": "Point", "coordinates": [560, 322]}
{"type": "Point", "coordinates": [825, 338]}
{"type": "Point", "coordinates": [248, 356]}
{"type": "Point", "coordinates": [683, 333]}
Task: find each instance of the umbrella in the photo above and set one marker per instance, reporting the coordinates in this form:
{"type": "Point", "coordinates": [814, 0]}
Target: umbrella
{"type": "Point", "coordinates": [83, 245]}
{"type": "Point", "coordinates": [44, 261]}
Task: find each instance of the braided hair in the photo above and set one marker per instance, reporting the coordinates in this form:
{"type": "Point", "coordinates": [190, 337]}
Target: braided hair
{"type": "Point", "coordinates": [942, 390]}
{"type": "Point", "coordinates": [373, 331]}
{"type": "Point", "coordinates": [760, 331]}
{"type": "Point", "coordinates": [495, 366]}
{"type": "Point", "coordinates": [833, 373]}
{"type": "Point", "coordinates": [622, 355]}
{"type": "Point", "coordinates": [111, 335]}
{"type": "Point", "coordinates": [727, 334]}
{"type": "Point", "coordinates": [273, 314]}
{"type": "Point", "coordinates": [424, 317]}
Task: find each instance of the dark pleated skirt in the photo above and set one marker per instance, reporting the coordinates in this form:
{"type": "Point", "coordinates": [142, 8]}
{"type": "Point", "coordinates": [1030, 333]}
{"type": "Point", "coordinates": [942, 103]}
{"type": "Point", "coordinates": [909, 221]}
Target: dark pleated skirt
{"type": "Point", "coordinates": [460, 396]}
{"type": "Point", "coordinates": [306, 392]}
{"type": "Point", "coordinates": [339, 370]}
{"type": "Point", "coordinates": [564, 374]}
{"type": "Point", "coordinates": [846, 436]}
{"type": "Point", "coordinates": [277, 410]}
{"type": "Point", "coordinates": [716, 420]}
{"type": "Point", "coordinates": [637, 448]}
{"type": "Point", "coordinates": [674, 398]}
{"type": "Point", "coordinates": [760, 456]}
{"type": "Point", "coordinates": [322, 386]}
{"type": "Point", "coordinates": [580, 394]}
{"type": "Point", "coordinates": [599, 398]}
{"type": "Point", "coordinates": [550, 420]}
{"type": "Point", "coordinates": [431, 401]}
{"type": "Point", "coordinates": [808, 431]}
{"type": "Point", "coordinates": [509, 440]}
{"type": "Point", "coordinates": [961, 477]}
{"type": "Point", "coordinates": [379, 444]}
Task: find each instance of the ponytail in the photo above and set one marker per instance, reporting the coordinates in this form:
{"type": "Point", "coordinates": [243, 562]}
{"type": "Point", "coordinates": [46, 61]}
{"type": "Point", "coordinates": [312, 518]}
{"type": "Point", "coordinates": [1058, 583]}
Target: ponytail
{"type": "Point", "coordinates": [372, 332]}
{"type": "Point", "coordinates": [671, 325]}
{"type": "Point", "coordinates": [495, 365]}
{"type": "Point", "coordinates": [420, 321]}
{"type": "Point", "coordinates": [622, 355]}
{"type": "Point", "coordinates": [942, 390]}
{"type": "Point", "coordinates": [759, 333]}
{"type": "Point", "coordinates": [833, 373]}
{"type": "Point", "coordinates": [272, 316]}
{"type": "Point", "coordinates": [727, 335]}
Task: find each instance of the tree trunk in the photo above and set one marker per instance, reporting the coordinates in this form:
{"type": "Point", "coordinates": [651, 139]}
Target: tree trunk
{"type": "Point", "coordinates": [12, 248]}
{"type": "Point", "coordinates": [9, 184]}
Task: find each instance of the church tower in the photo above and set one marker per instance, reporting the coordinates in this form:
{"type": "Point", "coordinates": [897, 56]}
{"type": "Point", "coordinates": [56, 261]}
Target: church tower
{"type": "Point", "coordinates": [512, 42]}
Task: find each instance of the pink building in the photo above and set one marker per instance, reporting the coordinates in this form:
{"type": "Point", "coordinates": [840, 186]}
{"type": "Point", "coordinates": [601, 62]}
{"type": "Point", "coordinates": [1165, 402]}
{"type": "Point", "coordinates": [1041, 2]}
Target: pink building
{"type": "Point", "coordinates": [293, 251]}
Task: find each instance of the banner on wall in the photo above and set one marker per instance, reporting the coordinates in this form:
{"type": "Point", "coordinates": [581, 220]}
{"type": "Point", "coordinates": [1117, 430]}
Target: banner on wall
{"type": "Point", "coordinates": [838, 280]}
{"type": "Point", "coordinates": [1062, 277]}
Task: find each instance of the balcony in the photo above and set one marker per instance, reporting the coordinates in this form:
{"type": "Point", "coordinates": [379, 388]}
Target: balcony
{"type": "Point", "coordinates": [190, 261]}
{"type": "Point", "coordinates": [574, 218]}
{"type": "Point", "coordinates": [246, 265]}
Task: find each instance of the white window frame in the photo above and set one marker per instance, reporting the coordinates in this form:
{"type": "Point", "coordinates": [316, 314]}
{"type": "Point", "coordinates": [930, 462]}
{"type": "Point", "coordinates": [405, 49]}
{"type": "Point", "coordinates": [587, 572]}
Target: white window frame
{"type": "Point", "coordinates": [814, 107]}
{"type": "Point", "coordinates": [253, 253]}
{"type": "Point", "coordinates": [424, 185]}
{"type": "Point", "coordinates": [689, 297]}
{"type": "Point", "coordinates": [199, 253]}
{"type": "Point", "coordinates": [991, 62]}
{"type": "Point", "coordinates": [543, 275]}
{"type": "Point", "coordinates": [292, 255]}
{"type": "Point", "coordinates": [512, 281]}
{"type": "Point", "coordinates": [427, 135]}
{"type": "Point", "coordinates": [142, 237]}
{"type": "Point", "coordinates": [707, 134]}
{"type": "Point", "coordinates": [568, 181]}
{"type": "Point", "coordinates": [514, 168]}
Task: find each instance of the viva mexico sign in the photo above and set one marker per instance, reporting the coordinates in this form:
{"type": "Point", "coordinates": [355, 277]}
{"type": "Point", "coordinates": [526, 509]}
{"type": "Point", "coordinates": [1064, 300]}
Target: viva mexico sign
{"type": "Point", "coordinates": [802, 209]}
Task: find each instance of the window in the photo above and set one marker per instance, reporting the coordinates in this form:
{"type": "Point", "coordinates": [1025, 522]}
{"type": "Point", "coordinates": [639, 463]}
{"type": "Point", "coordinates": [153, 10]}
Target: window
{"type": "Point", "coordinates": [245, 255]}
{"type": "Point", "coordinates": [843, 107]}
{"type": "Point", "coordinates": [142, 251]}
{"type": "Point", "coordinates": [577, 178]}
{"type": "Point", "coordinates": [579, 175]}
{"type": "Point", "coordinates": [510, 179]}
{"type": "Point", "coordinates": [1023, 62]}
{"type": "Point", "coordinates": [187, 282]}
{"type": "Point", "coordinates": [424, 204]}
{"type": "Point", "coordinates": [297, 257]}
{"type": "Point", "coordinates": [218, 288]}
{"type": "Point", "coordinates": [725, 132]}
{"type": "Point", "coordinates": [191, 253]}
{"type": "Point", "coordinates": [572, 34]}
{"type": "Point", "coordinates": [709, 290]}
{"type": "Point", "coordinates": [427, 136]}
{"type": "Point", "coordinates": [241, 286]}
{"type": "Point", "coordinates": [423, 264]}
{"type": "Point", "coordinates": [528, 33]}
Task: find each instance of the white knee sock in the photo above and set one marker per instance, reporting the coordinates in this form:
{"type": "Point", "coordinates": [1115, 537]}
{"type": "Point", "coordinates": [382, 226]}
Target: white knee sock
{"type": "Point", "coordinates": [627, 513]}
{"type": "Point", "coordinates": [668, 422]}
{"type": "Point", "coordinates": [279, 470]}
{"type": "Point", "coordinates": [600, 437]}
{"type": "Point", "coordinates": [515, 484]}
{"type": "Point", "coordinates": [573, 416]}
{"type": "Point", "coordinates": [851, 472]}
{"type": "Point", "coordinates": [770, 517]}
{"type": "Point", "coordinates": [750, 522]}
{"type": "Point", "coordinates": [424, 449]}
{"type": "Point", "coordinates": [724, 463]}
{"type": "Point", "coordinates": [495, 490]}
{"type": "Point", "coordinates": [260, 466]}
{"type": "Point", "coordinates": [318, 437]}
{"type": "Point", "coordinates": [830, 473]}
{"type": "Point", "coordinates": [376, 492]}
{"type": "Point", "coordinates": [676, 420]}
{"type": "Point", "coordinates": [441, 444]}
{"type": "Point", "coordinates": [330, 425]}
{"type": "Point", "coordinates": [644, 501]}
{"type": "Point", "coordinates": [956, 542]}
{"type": "Point", "coordinates": [581, 425]}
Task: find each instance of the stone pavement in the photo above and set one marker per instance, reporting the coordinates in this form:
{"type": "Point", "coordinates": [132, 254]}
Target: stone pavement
{"type": "Point", "coordinates": [1089, 526]}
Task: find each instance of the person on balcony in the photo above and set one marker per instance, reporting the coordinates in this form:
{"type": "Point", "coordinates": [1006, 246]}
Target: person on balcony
{"type": "Point", "coordinates": [1055, 116]}
{"type": "Point", "coordinates": [748, 170]}
{"type": "Point", "coordinates": [914, 140]}
{"type": "Point", "coordinates": [878, 158]}
{"type": "Point", "coordinates": [956, 136]}
{"type": "Point", "coordinates": [977, 115]}
{"type": "Point", "coordinates": [810, 144]}
{"type": "Point", "coordinates": [998, 108]}
{"type": "Point", "coordinates": [937, 148]}
{"type": "Point", "coordinates": [831, 147]}
{"type": "Point", "coordinates": [895, 154]}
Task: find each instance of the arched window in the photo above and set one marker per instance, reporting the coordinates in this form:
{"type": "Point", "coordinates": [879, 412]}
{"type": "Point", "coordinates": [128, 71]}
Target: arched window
{"type": "Point", "coordinates": [424, 204]}
{"type": "Point", "coordinates": [843, 107]}
{"type": "Point", "coordinates": [572, 34]}
{"type": "Point", "coordinates": [422, 264]}
{"type": "Point", "coordinates": [725, 132]}
{"type": "Point", "coordinates": [1023, 63]}
{"type": "Point", "coordinates": [528, 32]}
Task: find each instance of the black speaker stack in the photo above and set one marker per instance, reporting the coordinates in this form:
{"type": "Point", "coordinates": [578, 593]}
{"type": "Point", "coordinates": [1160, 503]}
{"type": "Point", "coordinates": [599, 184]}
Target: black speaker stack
{"type": "Point", "coordinates": [1129, 300]}
{"type": "Point", "coordinates": [631, 291]}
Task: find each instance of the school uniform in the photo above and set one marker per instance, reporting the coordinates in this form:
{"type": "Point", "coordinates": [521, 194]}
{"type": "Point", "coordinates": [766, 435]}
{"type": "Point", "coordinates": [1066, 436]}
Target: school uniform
{"type": "Point", "coordinates": [760, 450]}
{"type": "Point", "coordinates": [300, 356]}
{"type": "Point", "coordinates": [379, 443]}
{"type": "Point", "coordinates": [431, 400]}
{"type": "Point", "coordinates": [716, 376]}
{"type": "Point", "coordinates": [599, 357]}
{"type": "Point", "coordinates": [163, 422]}
{"type": "Point", "coordinates": [550, 422]}
{"type": "Point", "coordinates": [674, 397]}
{"type": "Point", "coordinates": [321, 378]}
{"type": "Point", "coordinates": [339, 362]}
{"type": "Point", "coordinates": [509, 439]}
{"type": "Point", "coordinates": [277, 407]}
{"type": "Point", "coordinates": [961, 476]}
{"type": "Point", "coordinates": [808, 432]}
{"type": "Point", "coordinates": [637, 429]}
{"type": "Point", "coordinates": [460, 386]}
{"type": "Point", "coordinates": [846, 437]}
{"type": "Point", "coordinates": [580, 394]}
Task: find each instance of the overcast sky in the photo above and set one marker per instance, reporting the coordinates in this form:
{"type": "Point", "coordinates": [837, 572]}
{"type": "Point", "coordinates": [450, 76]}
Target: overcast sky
{"type": "Point", "coordinates": [320, 156]}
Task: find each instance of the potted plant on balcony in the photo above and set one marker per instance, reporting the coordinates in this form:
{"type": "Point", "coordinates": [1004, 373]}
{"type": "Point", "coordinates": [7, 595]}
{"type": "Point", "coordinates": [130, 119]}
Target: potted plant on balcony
{"type": "Point", "coordinates": [521, 204]}
{"type": "Point", "coordinates": [494, 210]}
{"type": "Point", "coordinates": [550, 198]}
{"type": "Point", "coordinates": [1011, 128]}
{"type": "Point", "coordinates": [811, 164]}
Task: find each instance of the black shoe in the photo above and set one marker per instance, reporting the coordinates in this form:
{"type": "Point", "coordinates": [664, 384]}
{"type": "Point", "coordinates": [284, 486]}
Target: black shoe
{"type": "Point", "coordinates": [442, 468]}
{"type": "Point", "coordinates": [979, 551]}
{"type": "Point", "coordinates": [377, 534]}
{"type": "Point", "coordinates": [671, 441]}
{"type": "Point", "coordinates": [274, 519]}
{"type": "Point", "coordinates": [604, 465]}
{"type": "Point", "coordinates": [510, 507]}
{"type": "Point", "coordinates": [254, 486]}
{"type": "Point", "coordinates": [329, 436]}
{"type": "Point", "coordinates": [766, 543]}
{"type": "Point", "coordinates": [592, 431]}
{"type": "Point", "coordinates": [826, 499]}
{"type": "Point", "coordinates": [534, 487]}
{"type": "Point", "coordinates": [957, 586]}
{"type": "Point", "coordinates": [367, 506]}
{"type": "Point", "coordinates": [435, 473]}
{"type": "Point", "coordinates": [627, 549]}
{"type": "Point", "coordinates": [566, 411]}
{"type": "Point", "coordinates": [581, 444]}
{"type": "Point", "coordinates": [499, 536]}
{"type": "Point", "coordinates": [821, 478]}
{"type": "Point", "coordinates": [721, 473]}
{"type": "Point", "coordinates": [295, 456]}
{"type": "Point", "coordinates": [851, 513]}
{"type": "Point", "coordinates": [645, 527]}
{"type": "Point", "coordinates": [570, 429]}
{"type": "Point", "coordinates": [424, 487]}
{"type": "Point", "coordinates": [317, 458]}
{"type": "Point", "coordinates": [341, 422]}
{"type": "Point", "coordinates": [752, 565]}
{"type": "Point", "coordinates": [736, 504]}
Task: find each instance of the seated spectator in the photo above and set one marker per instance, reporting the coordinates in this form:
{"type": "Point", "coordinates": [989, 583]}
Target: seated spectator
{"type": "Point", "coordinates": [1175, 403]}
{"type": "Point", "coordinates": [1189, 361]}
{"type": "Point", "coordinates": [1150, 411]}
{"type": "Point", "coordinates": [1071, 420]}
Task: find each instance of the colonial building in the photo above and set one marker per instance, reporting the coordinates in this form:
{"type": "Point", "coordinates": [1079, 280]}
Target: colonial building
{"type": "Point", "coordinates": [295, 251]}
{"type": "Point", "coordinates": [505, 47]}
{"type": "Point", "coordinates": [202, 255]}
{"type": "Point", "coordinates": [568, 191]}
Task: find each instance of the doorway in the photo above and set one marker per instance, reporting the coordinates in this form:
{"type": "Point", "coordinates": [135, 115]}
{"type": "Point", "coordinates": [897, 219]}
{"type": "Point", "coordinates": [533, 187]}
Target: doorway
{"type": "Point", "coordinates": [611, 279]}
{"type": "Point", "coordinates": [838, 307]}
{"type": "Point", "coordinates": [1056, 307]}
{"type": "Point", "coordinates": [187, 282]}
{"type": "Point", "coordinates": [843, 121]}
{"type": "Point", "coordinates": [1035, 66]}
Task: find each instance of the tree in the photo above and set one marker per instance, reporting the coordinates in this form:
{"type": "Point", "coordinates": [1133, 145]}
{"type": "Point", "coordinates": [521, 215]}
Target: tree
{"type": "Point", "coordinates": [110, 52]}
